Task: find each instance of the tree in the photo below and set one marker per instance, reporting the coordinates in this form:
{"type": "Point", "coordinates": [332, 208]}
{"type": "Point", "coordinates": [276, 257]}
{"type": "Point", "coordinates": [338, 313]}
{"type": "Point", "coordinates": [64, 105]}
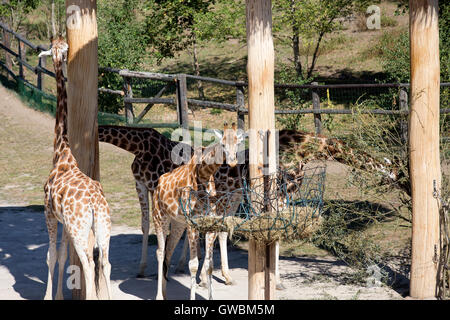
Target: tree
{"type": "Point", "coordinates": [13, 14]}
{"type": "Point", "coordinates": [223, 22]}
{"type": "Point", "coordinates": [309, 21]}
{"type": "Point", "coordinates": [122, 44]}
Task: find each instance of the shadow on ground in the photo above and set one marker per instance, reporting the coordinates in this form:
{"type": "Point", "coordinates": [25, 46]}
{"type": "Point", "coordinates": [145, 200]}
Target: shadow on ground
{"type": "Point", "coordinates": [23, 268]}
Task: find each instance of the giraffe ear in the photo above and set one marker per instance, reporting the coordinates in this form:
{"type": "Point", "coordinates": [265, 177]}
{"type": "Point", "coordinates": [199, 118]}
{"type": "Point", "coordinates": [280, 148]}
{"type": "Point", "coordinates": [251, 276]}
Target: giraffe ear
{"type": "Point", "coordinates": [45, 53]}
{"type": "Point", "coordinates": [241, 136]}
{"type": "Point", "coordinates": [218, 134]}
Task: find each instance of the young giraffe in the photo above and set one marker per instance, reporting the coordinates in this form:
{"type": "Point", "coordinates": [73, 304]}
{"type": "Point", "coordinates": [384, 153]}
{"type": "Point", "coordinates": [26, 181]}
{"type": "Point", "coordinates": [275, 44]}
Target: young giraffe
{"type": "Point", "coordinates": [152, 153]}
{"type": "Point", "coordinates": [72, 198]}
{"type": "Point", "coordinates": [197, 174]}
{"type": "Point", "coordinates": [296, 150]}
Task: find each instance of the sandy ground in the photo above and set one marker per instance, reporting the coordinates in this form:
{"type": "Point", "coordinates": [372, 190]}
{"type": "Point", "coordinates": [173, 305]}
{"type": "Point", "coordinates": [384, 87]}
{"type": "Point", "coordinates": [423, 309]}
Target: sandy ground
{"type": "Point", "coordinates": [24, 245]}
{"type": "Point", "coordinates": [23, 269]}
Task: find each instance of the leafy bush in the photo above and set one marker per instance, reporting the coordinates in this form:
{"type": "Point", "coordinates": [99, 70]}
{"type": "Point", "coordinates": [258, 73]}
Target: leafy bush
{"type": "Point", "coordinates": [122, 43]}
{"type": "Point", "coordinates": [291, 99]}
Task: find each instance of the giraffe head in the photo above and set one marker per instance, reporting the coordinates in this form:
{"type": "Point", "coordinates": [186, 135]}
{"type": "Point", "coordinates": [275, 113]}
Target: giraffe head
{"type": "Point", "coordinates": [229, 141]}
{"type": "Point", "coordinates": [58, 50]}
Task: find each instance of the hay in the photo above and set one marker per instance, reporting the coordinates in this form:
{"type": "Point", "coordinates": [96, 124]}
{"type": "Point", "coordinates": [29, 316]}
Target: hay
{"type": "Point", "coordinates": [205, 224]}
{"type": "Point", "coordinates": [265, 228]}
{"type": "Point", "coordinates": [284, 225]}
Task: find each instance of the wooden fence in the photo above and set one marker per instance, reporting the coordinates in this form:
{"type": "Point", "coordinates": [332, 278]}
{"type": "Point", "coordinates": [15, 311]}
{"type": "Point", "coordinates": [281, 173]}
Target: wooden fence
{"type": "Point", "coordinates": [182, 102]}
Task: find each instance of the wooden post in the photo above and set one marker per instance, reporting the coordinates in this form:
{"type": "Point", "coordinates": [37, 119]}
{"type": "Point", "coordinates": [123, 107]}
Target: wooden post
{"type": "Point", "coordinates": [19, 47]}
{"type": "Point", "coordinates": [129, 114]}
{"type": "Point", "coordinates": [182, 104]}
{"type": "Point", "coordinates": [7, 43]}
{"type": "Point", "coordinates": [82, 86]}
{"type": "Point", "coordinates": [260, 71]}
{"type": "Point", "coordinates": [40, 79]}
{"type": "Point", "coordinates": [403, 105]}
{"type": "Point", "coordinates": [240, 102]}
{"type": "Point", "coordinates": [424, 146]}
{"type": "Point", "coordinates": [316, 106]}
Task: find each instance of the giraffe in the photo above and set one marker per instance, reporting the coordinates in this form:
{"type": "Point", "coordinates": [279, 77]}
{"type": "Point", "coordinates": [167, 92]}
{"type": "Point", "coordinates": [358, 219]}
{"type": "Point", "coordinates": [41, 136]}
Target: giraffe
{"type": "Point", "coordinates": [72, 198]}
{"type": "Point", "coordinates": [153, 158]}
{"type": "Point", "coordinates": [197, 174]}
{"type": "Point", "coordinates": [296, 149]}
{"type": "Point", "coordinates": [152, 152]}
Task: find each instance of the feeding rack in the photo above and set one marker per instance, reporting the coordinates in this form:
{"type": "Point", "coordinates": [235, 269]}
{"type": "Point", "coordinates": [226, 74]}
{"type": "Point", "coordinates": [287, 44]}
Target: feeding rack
{"type": "Point", "coordinates": [284, 206]}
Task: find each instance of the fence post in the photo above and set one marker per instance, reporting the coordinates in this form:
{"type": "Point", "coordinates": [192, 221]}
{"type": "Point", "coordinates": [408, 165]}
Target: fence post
{"type": "Point", "coordinates": [240, 102]}
{"type": "Point", "coordinates": [40, 78]}
{"type": "Point", "coordinates": [182, 104]}
{"type": "Point", "coordinates": [316, 106]}
{"type": "Point", "coordinates": [403, 104]}
{"type": "Point", "coordinates": [20, 60]}
{"type": "Point", "coordinates": [7, 43]}
{"type": "Point", "coordinates": [129, 114]}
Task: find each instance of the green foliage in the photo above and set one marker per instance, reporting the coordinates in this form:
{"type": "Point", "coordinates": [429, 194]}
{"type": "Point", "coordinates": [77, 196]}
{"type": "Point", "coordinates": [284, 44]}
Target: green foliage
{"type": "Point", "coordinates": [169, 24]}
{"type": "Point", "coordinates": [395, 56]}
{"type": "Point", "coordinates": [309, 21]}
{"type": "Point", "coordinates": [395, 49]}
{"type": "Point", "coordinates": [122, 43]}
{"type": "Point", "coordinates": [341, 233]}
{"type": "Point", "coordinates": [223, 22]}
{"type": "Point", "coordinates": [14, 11]}
{"type": "Point", "coordinates": [291, 99]}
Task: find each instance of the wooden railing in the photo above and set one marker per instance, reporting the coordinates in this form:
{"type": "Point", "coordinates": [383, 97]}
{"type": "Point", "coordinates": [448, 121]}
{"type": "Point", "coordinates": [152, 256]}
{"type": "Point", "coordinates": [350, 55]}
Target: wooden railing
{"type": "Point", "coordinates": [182, 102]}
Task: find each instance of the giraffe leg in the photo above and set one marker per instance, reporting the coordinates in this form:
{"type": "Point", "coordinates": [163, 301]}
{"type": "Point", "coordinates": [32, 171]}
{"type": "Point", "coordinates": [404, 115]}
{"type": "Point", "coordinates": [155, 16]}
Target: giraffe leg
{"type": "Point", "coordinates": [102, 234]}
{"type": "Point", "coordinates": [224, 257]}
{"type": "Point", "coordinates": [208, 264]}
{"type": "Point", "coordinates": [176, 231]}
{"type": "Point", "coordinates": [52, 226]}
{"type": "Point", "coordinates": [193, 258]}
{"type": "Point", "coordinates": [161, 234]}
{"type": "Point", "coordinates": [79, 237]}
{"type": "Point", "coordinates": [62, 257]}
{"type": "Point", "coordinates": [279, 284]}
{"type": "Point", "coordinates": [87, 264]}
{"type": "Point", "coordinates": [182, 260]}
{"type": "Point", "coordinates": [142, 192]}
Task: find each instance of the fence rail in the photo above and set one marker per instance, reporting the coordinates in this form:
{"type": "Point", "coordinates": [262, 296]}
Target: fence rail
{"type": "Point", "coordinates": [182, 101]}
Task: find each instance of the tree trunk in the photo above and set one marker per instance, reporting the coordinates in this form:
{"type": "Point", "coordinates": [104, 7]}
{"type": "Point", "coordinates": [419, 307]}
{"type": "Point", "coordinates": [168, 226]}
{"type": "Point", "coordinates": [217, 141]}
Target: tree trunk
{"type": "Point", "coordinates": [196, 66]}
{"type": "Point", "coordinates": [315, 55]}
{"type": "Point", "coordinates": [53, 19]}
{"type": "Point", "coordinates": [296, 46]}
{"type": "Point", "coordinates": [296, 49]}
{"type": "Point", "coordinates": [424, 146]}
{"type": "Point", "coordinates": [260, 71]}
{"type": "Point", "coordinates": [7, 43]}
{"type": "Point", "coordinates": [82, 75]}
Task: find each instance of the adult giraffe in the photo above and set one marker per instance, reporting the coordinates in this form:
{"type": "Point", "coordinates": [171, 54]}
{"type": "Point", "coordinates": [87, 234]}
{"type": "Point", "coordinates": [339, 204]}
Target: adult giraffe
{"type": "Point", "coordinates": [72, 198]}
{"type": "Point", "coordinates": [153, 158]}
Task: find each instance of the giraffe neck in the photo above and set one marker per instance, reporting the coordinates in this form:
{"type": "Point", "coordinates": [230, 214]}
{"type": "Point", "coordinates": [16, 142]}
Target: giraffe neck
{"type": "Point", "coordinates": [61, 137]}
{"type": "Point", "coordinates": [306, 147]}
{"type": "Point", "coordinates": [136, 140]}
{"type": "Point", "coordinates": [211, 161]}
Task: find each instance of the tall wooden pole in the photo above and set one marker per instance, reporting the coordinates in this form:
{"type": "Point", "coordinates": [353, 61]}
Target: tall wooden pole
{"type": "Point", "coordinates": [82, 76]}
{"type": "Point", "coordinates": [424, 146]}
{"type": "Point", "coordinates": [260, 71]}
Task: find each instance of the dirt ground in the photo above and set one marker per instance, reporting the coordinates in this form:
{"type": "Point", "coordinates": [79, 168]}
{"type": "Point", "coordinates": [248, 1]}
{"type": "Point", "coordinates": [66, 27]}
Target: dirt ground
{"type": "Point", "coordinates": [24, 244]}
{"type": "Point", "coordinates": [23, 269]}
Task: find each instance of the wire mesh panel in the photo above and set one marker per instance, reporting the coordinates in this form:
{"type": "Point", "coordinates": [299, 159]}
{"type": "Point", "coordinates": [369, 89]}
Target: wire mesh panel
{"type": "Point", "coordinates": [285, 206]}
